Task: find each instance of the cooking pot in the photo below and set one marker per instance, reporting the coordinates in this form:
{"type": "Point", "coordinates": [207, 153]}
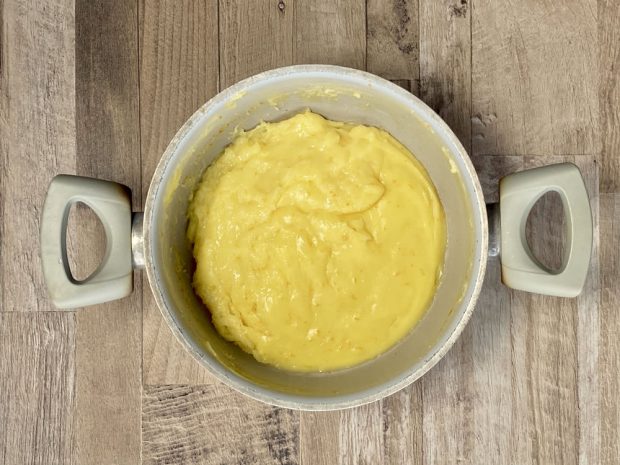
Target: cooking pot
{"type": "Point", "coordinates": [156, 240]}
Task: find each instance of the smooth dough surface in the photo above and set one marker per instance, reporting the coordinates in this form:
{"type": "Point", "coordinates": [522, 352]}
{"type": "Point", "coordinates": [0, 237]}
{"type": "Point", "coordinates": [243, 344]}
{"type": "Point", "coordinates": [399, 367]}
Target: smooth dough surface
{"type": "Point", "coordinates": [318, 244]}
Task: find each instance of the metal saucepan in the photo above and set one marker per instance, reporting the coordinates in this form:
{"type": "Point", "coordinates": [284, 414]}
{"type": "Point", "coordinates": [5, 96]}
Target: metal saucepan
{"type": "Point", "coordinates": [156, 240]}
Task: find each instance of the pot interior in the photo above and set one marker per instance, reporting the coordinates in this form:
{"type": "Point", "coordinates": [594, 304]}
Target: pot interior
{"type": "Point", "coordinates": [338, 94]}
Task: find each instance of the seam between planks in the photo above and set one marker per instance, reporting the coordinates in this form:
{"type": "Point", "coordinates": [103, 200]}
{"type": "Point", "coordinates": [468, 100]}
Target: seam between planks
{"type": "Point", "coordinates": [595, 156]}
{"type": "Point", "coordinates": [471, 75]}
{"type": "Point", "coordinates": [141, 187]}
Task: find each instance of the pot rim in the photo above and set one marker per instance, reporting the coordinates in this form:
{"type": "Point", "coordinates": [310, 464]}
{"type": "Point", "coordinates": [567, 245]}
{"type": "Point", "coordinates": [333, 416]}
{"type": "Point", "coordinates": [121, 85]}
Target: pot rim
{"type": "Point", "coordinates": [298, 401]}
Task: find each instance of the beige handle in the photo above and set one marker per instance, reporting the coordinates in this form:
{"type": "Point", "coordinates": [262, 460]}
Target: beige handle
{"type": "Point", "coordinates": [113, 279]}
{"type": "Point", "coordinates": [518, 193]}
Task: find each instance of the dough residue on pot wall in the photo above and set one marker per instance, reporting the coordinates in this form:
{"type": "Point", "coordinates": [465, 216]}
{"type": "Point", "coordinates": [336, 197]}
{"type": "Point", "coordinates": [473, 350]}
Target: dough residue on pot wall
{"type": "Point", "coordinates": [318, 244]}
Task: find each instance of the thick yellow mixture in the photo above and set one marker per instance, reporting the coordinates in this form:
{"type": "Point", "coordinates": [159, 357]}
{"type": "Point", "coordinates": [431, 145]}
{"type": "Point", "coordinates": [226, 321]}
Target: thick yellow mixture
{"type": "Point", "coordinates": [318, 244]}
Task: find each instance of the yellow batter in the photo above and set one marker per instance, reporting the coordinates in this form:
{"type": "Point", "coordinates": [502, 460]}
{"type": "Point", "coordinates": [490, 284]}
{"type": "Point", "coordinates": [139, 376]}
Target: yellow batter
{"type": "Point", "coordinates": [318, 244]}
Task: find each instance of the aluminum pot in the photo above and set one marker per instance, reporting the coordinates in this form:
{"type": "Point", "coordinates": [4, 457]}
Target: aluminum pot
{"type": "Point", "coordinates": [156, 240]}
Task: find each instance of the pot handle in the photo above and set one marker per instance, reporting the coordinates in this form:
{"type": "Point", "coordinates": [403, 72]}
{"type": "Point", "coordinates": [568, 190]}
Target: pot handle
{"type": "Point", "coordinates": [518, 193]}
{"type": "Point", "coordinates": [113, 279]}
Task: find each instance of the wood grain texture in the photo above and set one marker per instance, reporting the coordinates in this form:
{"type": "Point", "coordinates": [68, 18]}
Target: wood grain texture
{"type": "Point", "coordinates": [37, 119]}
{"type": "Point", "coordinates": [408, 84]}
{"type": "Point", "coordinates": [560, 377]}
{"type": "Point", "coordinates": [392, 40]}
{"type": "Point", "coordinates": [388, 431]}
{"type": "Point", "coordinates": [319, 438]}
{"type": "Point", "coordinates": [609, 92]}
{"type": "Point", "coordinates": [445, 85]}
{"type": "Point", "coordinates": [215, 425]}
{"type": "Point", "coordinates": [447, 420]}
{"type": "Point", "coordinates": [609, 368]}
{"type": "Point", "coordinates": [402, 425]}
{"type": "Point", "coordinates": [491, 169]}
{"type": "Point", "coordinates": [109, 336]}
{"type": "Point", "coordinates": [37, 140]}
{"type": "Point", "coordinates": [101, 87]}
{"type": "Point", "coordinates": [535, 78]}
{"type": "Point", "coordinates": [361, 435]}
{"type": "Point", "coordinates": [445, 63]}
{"type": "Point", "coordinates": [255, 35]}
{"type": "Point", "coordinates": [37, 388]}
{"type": "Point", "coordinates": [495, 392]}
{"type": "Point", "coordinates": [5, 130]}
{"type": "Point", "coordinates": [589, 329]}
{"type": "Point", "coordinates": [178, 73]}
{"type": "Point", "coordinates": [330, 32]}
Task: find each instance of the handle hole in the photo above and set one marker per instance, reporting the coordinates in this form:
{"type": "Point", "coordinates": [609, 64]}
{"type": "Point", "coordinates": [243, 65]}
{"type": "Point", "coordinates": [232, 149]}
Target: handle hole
{"type": "Point", "coordinates": [86, 241]}
{"type": "Point", "coordinates": [545, 231]}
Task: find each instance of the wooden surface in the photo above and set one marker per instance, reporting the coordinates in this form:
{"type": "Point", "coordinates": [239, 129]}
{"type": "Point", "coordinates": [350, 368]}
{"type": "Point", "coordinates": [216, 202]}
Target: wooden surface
{"type": "Point", "coordinates": [109, 336]}
{"type": "Point", "coordinates": [99, 88]}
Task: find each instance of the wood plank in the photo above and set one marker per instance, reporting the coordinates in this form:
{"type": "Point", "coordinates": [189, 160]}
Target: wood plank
{"type": "Point", "coordinates": [402, 418]}
{"type": "Point", "coordinates": [588, 332]}
{"type": "Point", "coordinates": [214, 425]}
{"type": "Point", "coordinates": [491, 169]}
{"type": "Point", "coordinates": [5, 131]}
{"type": "Point", "coordinates": [392, 42]}
{"type": "Point", "coordinates": [445, 63]}
{"type": "Point", "coordinates": [445, 85]}
{"type": "Point", "coordinates": [330, 32]}
{"type": "Point", "coordinates": [255, 35]}
{"type": "Point", "coordinates": [388, 431]}
{"type": "Point", "coordinates": [361, 435]}
{"type": "Point", "coordinates": [609, 380]}
{"type": "Point", "coordinates": [493, 403]}
{"type": "Point", "coordinates": [37, 140]}
{"type": "Point", "coordinates": [37, 388]}
{"type": "Point", "coordinates": [408, 84]}
{"type": "Point", "coordinates": [495, 392]}
{"type": "Point", "coordinates": [447, 406]}
{"type": "Point", "coordinates": [109, 336]}
{"type": "Point", "coordinates": [535, 78]}
{"type": "Point", "coordinates": [559, 369]}
{"type": "Point", "coordinates": [37, 120]}
{"type": "Point", "coordinates": [178, 73]}
{"type": "Point", "coordinates": [609, 92]}
{"type": "Point", "coordinates": [319, 438]}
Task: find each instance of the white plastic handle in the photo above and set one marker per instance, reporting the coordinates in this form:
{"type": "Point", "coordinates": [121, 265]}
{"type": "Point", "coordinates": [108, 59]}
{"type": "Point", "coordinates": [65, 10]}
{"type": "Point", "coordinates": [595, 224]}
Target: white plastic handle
{"type": "Point", "coordinates": [518, 193]}
{"type": "Point", "coordinates": [113, 279]}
